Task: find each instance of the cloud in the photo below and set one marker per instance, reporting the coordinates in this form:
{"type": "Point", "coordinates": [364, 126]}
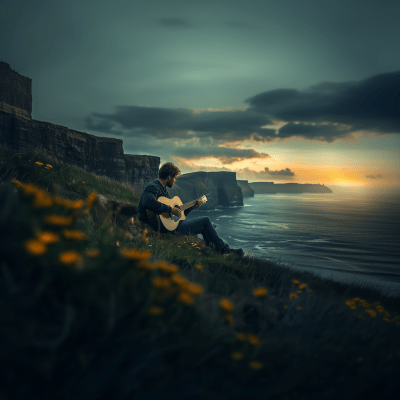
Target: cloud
{"type": "Point", "coordinates": [254, 176]}
{"type": "Point", "coordinates": [375, 176]}
{"type": "Point", "coordinates": [225, 155]}
{"type": "Point", "coordinates": [330, 111]}
{"type": "Point", "coordinates": [325, 112]}
{"type": "Point", "coordinates": [285, 172]}
{"type": "Point", "coordinates": [165, 123]}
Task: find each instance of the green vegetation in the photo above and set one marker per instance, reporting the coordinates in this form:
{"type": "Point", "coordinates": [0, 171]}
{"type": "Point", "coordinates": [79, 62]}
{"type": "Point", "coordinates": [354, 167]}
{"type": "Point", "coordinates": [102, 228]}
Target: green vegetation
{"type": "Point", "coordinates": [113, 311]}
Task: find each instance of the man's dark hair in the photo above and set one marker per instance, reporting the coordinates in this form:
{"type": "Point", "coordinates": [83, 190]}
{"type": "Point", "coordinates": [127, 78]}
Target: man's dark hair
{"type": "Point", "coordinates": [168, 169]}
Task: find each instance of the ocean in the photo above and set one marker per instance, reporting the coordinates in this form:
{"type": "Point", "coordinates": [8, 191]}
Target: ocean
{"type": "Point", "coordinates": [347, 236]}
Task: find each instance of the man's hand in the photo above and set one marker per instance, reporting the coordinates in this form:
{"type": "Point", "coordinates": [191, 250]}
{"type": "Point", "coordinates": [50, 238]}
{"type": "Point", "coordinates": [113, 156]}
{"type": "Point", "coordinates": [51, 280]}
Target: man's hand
{"type": "Point", "coordinates": [198, 203]}
{"type": "Point", "coordinates": [176, 211]}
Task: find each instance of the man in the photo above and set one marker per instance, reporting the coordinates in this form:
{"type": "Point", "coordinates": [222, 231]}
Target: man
{"type": "Point", "coordinates": [168, 174]}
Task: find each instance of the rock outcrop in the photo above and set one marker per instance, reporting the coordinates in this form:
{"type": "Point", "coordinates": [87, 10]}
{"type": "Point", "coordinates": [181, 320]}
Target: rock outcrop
{"type": "Point", "coordinates": [271, 188]}
{"type": "Point", "coordinates": [15, 92]}
{"type": "Point", "coordinates": [100, 155]}
{"type": "Point", "coordinates": [246, 189]}
{"type": "Point", "coordinates": [220, 188]}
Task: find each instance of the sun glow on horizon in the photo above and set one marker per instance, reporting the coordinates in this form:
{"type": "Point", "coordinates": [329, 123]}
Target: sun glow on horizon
{"type": "Point", "coordinates": [347, 183]}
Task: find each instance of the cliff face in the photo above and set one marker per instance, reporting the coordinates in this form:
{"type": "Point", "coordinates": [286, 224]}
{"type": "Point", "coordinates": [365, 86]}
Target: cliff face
{"type": "Point", "coordinates": [246, 189]}
{"type": "Point", "coordinates": [15, 92]}
{"type": "Point", "coordinates": [140, 170]}
{"type": "Point", "coordinates": [271, 188]}
{"type": "Point", "coordinates": [220, 188]}
{"type": "Point", "coordinates": [99, 155]}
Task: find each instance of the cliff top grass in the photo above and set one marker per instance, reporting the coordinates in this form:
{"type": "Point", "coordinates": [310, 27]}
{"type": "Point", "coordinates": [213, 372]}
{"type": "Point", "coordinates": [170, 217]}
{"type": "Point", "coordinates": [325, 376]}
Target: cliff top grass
{"type": "Point", "coordinates": [117, 311]}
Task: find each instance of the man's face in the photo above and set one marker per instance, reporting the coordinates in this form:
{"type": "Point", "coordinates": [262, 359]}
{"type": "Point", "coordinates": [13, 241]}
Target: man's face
{"type": "Point", "coordinates": [171, 181]}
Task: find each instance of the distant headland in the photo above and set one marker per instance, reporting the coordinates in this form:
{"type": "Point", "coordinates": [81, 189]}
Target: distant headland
{"type": "Point", "coordinates": [273, 188]}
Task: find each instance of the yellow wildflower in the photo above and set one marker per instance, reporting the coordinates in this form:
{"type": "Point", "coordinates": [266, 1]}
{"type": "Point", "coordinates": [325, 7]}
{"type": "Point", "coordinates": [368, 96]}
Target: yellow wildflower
{"type": "Point", "coordinates": [229, 318]}
{"type": "Point", "coordinates": [92, 253]}
{"type": "Point", "coordinates": [155, 310]}
{"type": "Point", "coordinates": [42, 200]}
{"type": "Point", "coordinates": [371, 312]}
{"type": "Point", "coordinates": [255, 365]}
{"type": "Point", "coordinates": [252, 339]}
{"type": "Point", "coordinates": [194, 288]}
{"type": "Point", "coordinates": [70, 257]}
{"type": "Point", "coordinates": [237, 355]}
{"type": "Point", "coordinates": [226, 305]}
{"type": "Point", "coordinates": [48, 237]}
{"type": "Point", "coordinates": [241, 336]}
{"type": "Point", "coordinates": [158, 281]}
{"type": "Point", "coordinates": [179, 280]}
{"type": "Point", "coordinates": [74, 234]}
{"type": "Point", "coordinates": [57, 220]}
{"type": "Point", "coordinates": [164, 266]}
{"type": "Point", "coordinates": [135, 254]}
{"type": "Point", "coordinates": [260, 292]}
{"type": "Point", "coordinates": [186, 298]}
{"type": "Point", "coordinates": [35, 247]}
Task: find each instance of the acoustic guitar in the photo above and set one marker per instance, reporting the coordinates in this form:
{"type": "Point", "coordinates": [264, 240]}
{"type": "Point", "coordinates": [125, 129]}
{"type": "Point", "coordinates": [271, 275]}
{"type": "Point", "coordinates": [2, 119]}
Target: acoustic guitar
{"type": "Point", "coordinates": [167, 220]}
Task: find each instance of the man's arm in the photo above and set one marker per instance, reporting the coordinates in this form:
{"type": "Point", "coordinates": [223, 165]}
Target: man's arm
{"type": "Point", "coordinates": [197, 205]}
{"type": "Point", "coordinates": [151, 203]}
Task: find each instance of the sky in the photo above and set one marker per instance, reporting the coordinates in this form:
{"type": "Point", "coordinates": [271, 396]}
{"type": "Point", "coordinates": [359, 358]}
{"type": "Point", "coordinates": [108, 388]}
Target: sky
{"type": "Point", "coordinates": [277, 91]}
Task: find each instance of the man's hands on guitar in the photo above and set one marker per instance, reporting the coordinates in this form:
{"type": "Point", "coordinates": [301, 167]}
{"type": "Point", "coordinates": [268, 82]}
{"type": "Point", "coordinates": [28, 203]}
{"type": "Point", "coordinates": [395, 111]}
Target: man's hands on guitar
{"type": "Point", "coordinates": [199, 202]}
{"type": "Point", "coordinates": [176, 211]}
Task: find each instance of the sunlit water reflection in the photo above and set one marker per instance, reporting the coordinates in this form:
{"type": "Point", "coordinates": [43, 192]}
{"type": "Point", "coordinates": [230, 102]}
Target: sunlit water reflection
{"type": "Point", "coordinates": [346, 236]}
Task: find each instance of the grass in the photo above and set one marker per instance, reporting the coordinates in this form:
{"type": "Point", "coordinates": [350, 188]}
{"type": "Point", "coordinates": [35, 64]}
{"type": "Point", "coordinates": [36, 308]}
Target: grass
{"type": "Point", "coordinates": [111, 310]}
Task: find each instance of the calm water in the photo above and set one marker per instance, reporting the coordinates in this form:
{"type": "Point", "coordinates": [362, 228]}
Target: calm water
{"type": "Point", "coordinates": [347, 236]}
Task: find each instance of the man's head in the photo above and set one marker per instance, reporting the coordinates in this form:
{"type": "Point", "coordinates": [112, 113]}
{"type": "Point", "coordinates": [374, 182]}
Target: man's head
{"type": "Point", "coordinates": [167, 174]}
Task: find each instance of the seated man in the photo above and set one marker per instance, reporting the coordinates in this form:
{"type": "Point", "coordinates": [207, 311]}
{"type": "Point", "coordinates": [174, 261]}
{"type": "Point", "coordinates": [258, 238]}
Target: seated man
{"type": "Point", "coordinates": [158, 188]}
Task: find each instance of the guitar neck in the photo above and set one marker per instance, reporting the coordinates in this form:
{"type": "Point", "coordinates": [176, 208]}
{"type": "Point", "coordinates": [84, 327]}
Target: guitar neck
{"type": "Point", "coordinates": [185, 206]}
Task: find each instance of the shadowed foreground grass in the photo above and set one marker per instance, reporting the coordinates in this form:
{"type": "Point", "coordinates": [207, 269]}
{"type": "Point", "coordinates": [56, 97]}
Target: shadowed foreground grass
{"type": "Point", "coordinates": [110, 310]}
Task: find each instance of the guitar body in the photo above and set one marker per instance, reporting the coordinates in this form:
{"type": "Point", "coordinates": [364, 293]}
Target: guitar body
{"type": "Point", "coordinates": [167, 222]}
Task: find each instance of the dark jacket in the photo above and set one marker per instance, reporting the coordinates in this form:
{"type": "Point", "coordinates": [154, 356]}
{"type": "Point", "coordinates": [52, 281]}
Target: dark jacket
{"type": "Point", "coordinates": [148, 201]}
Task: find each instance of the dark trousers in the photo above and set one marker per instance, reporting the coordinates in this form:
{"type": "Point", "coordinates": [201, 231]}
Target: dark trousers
{"type": "Point", "coordinates": [203, 226]}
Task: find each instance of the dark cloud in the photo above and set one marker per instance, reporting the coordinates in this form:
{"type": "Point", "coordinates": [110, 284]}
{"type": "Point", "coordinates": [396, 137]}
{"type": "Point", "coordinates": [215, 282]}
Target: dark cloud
{"type": "Point", "coordinates": [338, 109]}
{"type": "Point", "coordinates": [225, 155]}
{"type": "Point", "coordinates": [166, 123]}
{"type": "Point", "coordinates": [282, 172]}
{"type": "Point", "coordinates": [253, 176]}
{"type": "Point", "coordinates": [325, 112]}
{"type": "Point", "coordinates": [375, 176]}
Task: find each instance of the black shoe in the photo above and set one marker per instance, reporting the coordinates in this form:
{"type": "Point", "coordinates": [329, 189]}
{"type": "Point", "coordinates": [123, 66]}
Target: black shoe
{"type": "Point", "coordinates": [239, 252]}
{"type": "Point", "coordinates": [219, 250]}
{"type": "Point", "coordinates": [223, 250]}
{"type": "Point", "coordinates": [226, 250]}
